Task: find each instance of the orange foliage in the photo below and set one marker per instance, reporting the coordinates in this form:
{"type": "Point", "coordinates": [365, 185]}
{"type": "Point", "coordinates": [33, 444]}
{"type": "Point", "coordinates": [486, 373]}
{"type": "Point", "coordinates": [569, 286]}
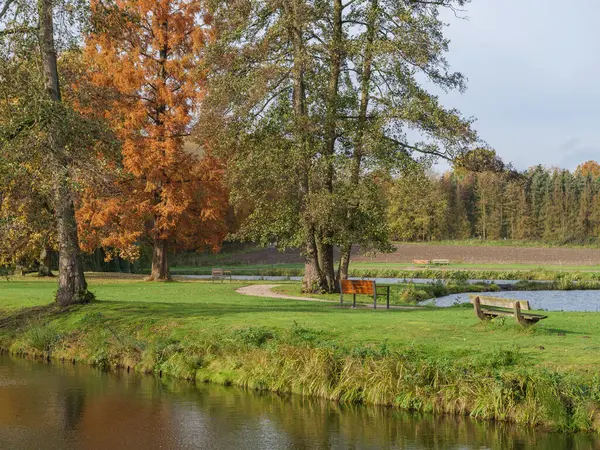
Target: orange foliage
{"type": "Point", "coordinates": [591, 168]}
{"type": "Point", "coordinates": [145, 53]}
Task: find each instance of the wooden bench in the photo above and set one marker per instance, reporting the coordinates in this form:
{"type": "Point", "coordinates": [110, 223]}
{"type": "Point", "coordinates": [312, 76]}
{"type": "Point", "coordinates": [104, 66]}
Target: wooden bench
{"type": "Point", "coordinates": [421, 262]}
{"type": "Point", "coordinates": [431, 262]}
{"type": "Point", "coordinates": [220, 274]}
{"type": "Point", "coordinates": [363, 287]}
{"type": "Point", "coordinates": [489, 307]}
{"type": "Point", "coordinates": [440, 262]}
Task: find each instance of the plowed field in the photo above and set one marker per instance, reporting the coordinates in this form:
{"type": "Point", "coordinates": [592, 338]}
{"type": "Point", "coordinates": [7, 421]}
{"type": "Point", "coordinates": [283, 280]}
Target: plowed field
{"type": "Point", "coordinates": [465, 254]}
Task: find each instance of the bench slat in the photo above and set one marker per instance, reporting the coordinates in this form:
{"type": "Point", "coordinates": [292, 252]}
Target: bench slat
{"type": "Point", "coordinates": [500, 302]}
{"type": "Point", "coordinates": [526, 317]}
{"type": "Point", "coordinates": [509, 310]}
{"type": "Point", "coordinates": [357, 287]}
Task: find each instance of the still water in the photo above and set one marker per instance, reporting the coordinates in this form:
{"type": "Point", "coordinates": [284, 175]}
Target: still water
{"type": "Point", "coordinates": [586, 301]}
{"type": "Point", "coordinates": [76, 407]}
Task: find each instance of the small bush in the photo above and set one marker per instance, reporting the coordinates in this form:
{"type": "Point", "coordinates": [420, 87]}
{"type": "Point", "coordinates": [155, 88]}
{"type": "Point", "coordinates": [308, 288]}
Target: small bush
{"type": "Point", "coordinates": [253, 336]}
{"type": "Point", "coordinates": [303, 335]}
{"type": "Point", "coordinates": [42, 338]}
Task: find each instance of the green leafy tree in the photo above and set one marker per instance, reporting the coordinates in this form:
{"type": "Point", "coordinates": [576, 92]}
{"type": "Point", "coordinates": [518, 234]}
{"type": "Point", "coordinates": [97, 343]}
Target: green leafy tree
{"type": "Point", "coordinates": [418, 207]}
{"type": "Point", "coordinates": [319, 96]}
{"type": "Point", "coordinates": [39, 129]}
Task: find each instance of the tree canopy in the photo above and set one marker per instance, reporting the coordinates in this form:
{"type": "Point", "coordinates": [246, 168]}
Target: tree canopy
{"type": "Point", "coordinates": [143, 56]}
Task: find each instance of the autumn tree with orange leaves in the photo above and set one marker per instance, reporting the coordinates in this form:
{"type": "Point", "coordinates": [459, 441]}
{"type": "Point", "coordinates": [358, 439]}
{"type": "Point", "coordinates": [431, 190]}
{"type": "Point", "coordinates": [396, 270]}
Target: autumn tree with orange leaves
{"type": "Point", "coordinates": [144, 54]}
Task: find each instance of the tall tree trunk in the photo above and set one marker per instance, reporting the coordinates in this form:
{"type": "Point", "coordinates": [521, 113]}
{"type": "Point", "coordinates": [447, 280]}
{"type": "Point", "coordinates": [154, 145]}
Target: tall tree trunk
{"type": "Point", "coordinates": [160, 264]}
{"type": "Point", "coordinates": [45, 269]}
{"type": "Point", "coordinates": [72, 287]}
{"type": "Point", "coordinates": [344, 267]}
{"type": "Point", "coordinates": [313, 276]}
{"type": "Point", "coordinates": [365, 82]}
{"type": "Point", "coordinates": [313, 281]}
{"type": "Point", "coordinates": [325, 246]}
{"type": "Point", "coordinates": [326, 261]}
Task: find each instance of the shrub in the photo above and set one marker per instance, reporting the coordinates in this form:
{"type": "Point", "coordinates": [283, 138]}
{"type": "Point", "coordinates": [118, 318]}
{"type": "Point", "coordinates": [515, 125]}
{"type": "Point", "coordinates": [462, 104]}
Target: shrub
{"type": "Point", "coordinates": [42, 338]}
{"type": "Point", "coordinates": [253, 336]}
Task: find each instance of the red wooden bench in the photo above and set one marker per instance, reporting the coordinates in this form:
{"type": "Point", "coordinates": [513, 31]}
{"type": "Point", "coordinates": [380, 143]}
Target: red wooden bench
{"type": "Point", "coordinates": [362, 287]}
{"type": "Point", "coordinates": [421, 262]}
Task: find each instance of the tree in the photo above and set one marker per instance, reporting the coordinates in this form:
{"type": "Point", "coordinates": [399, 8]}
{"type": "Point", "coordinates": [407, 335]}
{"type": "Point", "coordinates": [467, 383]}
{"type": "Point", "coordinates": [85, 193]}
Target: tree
{"type": "Point", "coordinates": [490, 219]}
{"type": "Point", "coordinates": [324, 93]}
{"type": "Point", "coordinates": [42, 130]}
{"type": "Point", "coordinates": [480, 160]}
{"type": "Point", "coordinates": [418, 208]}
{"type": "Point", "coordinates": [145, 55]}
{"type": "Point", "coordinates": [26, 218]}
{"type": "Point", "coordinates": [588, 168]}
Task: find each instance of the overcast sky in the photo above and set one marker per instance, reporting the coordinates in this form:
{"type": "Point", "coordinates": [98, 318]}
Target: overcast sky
{"type": "Point", "coordinates": [533, 69]}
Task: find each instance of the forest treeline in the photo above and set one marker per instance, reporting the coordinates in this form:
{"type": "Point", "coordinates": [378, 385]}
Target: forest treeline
{"type": "Point", "coordinates": [541, 203]}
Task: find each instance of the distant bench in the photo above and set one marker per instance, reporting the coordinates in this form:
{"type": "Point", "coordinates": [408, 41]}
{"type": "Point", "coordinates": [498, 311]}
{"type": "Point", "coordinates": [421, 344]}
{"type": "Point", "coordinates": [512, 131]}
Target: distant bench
{"type": "Point", "coordinates": [363, 287]}
{"type": "Point", "coordinates": [489, 307]}
{"type": "Point", "coordinates": [220, 274]}
{"type": "Point", "coordinates": [432, 262]}
{"type": "Point", "coordinates": [421, 262]}
{"type": "Point", "coordinates": [440, 262]}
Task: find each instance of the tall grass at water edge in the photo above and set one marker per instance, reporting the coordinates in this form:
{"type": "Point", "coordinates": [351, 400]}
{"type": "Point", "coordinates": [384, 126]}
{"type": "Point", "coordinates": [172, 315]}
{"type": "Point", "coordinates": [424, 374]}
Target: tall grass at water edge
{"type": "Point", "coordinates": [489, 385]}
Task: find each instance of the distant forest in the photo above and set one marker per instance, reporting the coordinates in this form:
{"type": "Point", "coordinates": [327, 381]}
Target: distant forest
{"type": "Point", "coordinates": [541, 203]}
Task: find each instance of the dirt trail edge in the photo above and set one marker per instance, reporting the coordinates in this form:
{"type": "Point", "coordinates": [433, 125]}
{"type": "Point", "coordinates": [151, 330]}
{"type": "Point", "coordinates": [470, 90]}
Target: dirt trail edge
{"type": "Point", "coordinates": [265, 290]}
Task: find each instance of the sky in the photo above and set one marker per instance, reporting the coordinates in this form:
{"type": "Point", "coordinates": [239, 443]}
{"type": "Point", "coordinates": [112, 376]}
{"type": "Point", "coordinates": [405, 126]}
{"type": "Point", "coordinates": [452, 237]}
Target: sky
{"type": "Point", "coordinates": [533, 70]}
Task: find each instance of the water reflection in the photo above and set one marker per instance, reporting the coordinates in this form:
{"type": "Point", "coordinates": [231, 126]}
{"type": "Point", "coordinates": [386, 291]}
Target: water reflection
{"type": "Point", "coordinates": [69, 406]}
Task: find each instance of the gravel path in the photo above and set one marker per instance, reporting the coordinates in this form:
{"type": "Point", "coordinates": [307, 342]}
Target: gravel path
{"type": "Point", "coordinates": [264, 290]}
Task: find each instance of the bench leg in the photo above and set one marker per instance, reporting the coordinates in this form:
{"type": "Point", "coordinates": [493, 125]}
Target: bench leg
{"type": "Point", "coordinates": [387, 303]}
{"type": "Point", "coordinates": [478, 312]}
{"type": "Point", "coordinates": [354, 300]}
{"type": "Point", "coordinates": [521, 321]}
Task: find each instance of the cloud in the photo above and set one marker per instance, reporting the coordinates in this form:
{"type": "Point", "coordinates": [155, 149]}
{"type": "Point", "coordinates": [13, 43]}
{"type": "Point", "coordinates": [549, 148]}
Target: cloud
{"type": "Point", "coordinates": [532, 68]}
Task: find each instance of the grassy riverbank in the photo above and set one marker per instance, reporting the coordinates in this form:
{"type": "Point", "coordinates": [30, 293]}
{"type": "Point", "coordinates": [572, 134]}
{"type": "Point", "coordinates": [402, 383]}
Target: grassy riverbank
{"type": "Point", "coordinates": [430, 359]}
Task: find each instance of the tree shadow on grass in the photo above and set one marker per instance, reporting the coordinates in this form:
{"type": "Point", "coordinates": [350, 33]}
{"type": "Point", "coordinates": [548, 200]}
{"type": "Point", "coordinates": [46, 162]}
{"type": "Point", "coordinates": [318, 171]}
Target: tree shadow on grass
{"type": "Point", "coordinates": [43, 313]}
{"type": "Point", "coordinates": [127, 310]}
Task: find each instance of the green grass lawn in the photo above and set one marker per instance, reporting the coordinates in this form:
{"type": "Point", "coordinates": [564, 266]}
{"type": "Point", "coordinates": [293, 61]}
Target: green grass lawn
{"type": "Point", "coordinates": [194, 310]}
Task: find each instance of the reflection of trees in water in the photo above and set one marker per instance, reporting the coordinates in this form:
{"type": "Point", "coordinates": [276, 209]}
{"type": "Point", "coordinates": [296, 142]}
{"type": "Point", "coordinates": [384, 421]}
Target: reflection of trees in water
{"type": "Point", "coordinates": [149, 412]}
{"type": "Point", "coordinates": [312, 423]}
{"type": "Point", "coordinates": [73, 402]}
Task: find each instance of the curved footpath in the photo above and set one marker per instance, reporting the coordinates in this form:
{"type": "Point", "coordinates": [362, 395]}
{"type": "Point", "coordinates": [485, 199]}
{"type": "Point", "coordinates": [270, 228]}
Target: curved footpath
{"type": "Point", "coordinates": [265, 290]}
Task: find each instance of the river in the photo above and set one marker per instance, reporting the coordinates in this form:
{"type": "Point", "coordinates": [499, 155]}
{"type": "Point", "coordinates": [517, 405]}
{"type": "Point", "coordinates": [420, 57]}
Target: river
{"type": "Point", "coordinates": [60, 406]}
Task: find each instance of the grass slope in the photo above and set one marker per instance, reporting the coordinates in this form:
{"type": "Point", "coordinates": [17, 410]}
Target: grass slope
{"type": "Point", "coordinates": [431, 359]}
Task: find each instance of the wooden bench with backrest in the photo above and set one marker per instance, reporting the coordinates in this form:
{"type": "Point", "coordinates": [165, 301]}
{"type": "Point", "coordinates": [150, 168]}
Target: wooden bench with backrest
{"type": "Point", "coordinates": [220, 274]}
{"type": "Point", "coordinates": [365, 287]}
{"type": "Point", "coordinates": [431, 262]}
{"type": "Point", "coordinates": [421, 262]}
{"type": "Point", "coordinates": [440, 262]}
{"type": "Point", "coordinates": [490, 307]}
